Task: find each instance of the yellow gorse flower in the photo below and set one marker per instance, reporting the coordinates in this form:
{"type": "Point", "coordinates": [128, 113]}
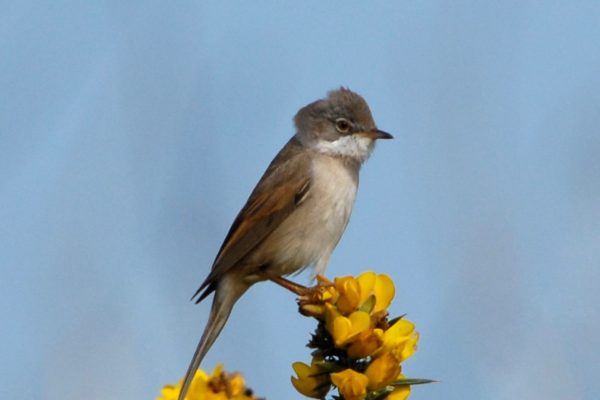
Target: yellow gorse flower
{"type": "Point", "coordinates": [380, 286]}
{"type": "Point", "coordinates": [349, 294]}
{"type": "Point", "coordinates": [219, 385]}
{"type": "Point", "coordinates": [366, 343]}
{"type": "Point", "coordinates": [369, 292]}
{"type": "Point", "coordinates": [382, 371]}
{"type": "Point", "coordinates": [355, 293]}
{"type": "Point", "coordinates": [358, 349]}
{"type": "Point", "coordinates": [345, 329]}
{"type": "Point", "coordinates": [351, 384]}
{"type": "Point", "coordinates": [400, 340]}
{"type": "Point", "coordinates": [312, 381]}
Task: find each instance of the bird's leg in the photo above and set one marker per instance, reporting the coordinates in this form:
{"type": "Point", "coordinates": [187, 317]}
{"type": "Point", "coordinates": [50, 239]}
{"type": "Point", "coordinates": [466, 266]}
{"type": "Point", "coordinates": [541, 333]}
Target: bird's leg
{"type": "Point", "coordinates": [293, 287]}
{"type": "Point", "coordinates": [298, 289]}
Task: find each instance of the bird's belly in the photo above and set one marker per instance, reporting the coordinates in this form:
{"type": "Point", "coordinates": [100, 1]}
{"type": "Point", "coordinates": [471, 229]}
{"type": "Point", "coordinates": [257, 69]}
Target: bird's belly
{"type": "Point", "coordinates": [311, 232]}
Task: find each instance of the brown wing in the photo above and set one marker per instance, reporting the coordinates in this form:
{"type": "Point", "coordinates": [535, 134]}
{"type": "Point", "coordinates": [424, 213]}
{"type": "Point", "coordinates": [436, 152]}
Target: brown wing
{"type": "Point", "coordinates": [280, 190]}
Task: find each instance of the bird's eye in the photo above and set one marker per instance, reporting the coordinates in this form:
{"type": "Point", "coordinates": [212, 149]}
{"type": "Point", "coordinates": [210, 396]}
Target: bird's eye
{"type": "Point", "coordinates": [342, 125]}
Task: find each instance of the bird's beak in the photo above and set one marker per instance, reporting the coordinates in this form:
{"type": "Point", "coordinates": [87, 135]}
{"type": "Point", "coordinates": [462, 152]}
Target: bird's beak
{"type": "Point", "coordinates": [376, 134]}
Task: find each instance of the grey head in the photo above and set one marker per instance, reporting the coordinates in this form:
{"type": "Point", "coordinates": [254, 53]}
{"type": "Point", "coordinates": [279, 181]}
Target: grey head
{"type": "Point", "coordinates": [339, 125]}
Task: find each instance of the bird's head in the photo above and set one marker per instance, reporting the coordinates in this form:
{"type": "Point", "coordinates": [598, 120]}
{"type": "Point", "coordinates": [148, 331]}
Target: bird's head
{"type": "Point", "coordinates": [339, 125]}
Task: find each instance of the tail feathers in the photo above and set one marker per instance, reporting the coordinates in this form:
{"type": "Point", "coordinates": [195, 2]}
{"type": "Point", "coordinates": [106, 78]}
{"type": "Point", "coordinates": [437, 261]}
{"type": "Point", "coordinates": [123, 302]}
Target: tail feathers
{"type": "Point", "coordinates": [208, 286]}
{"type": "Point", "coordinates": [221, 308]}
{"type": "Point", "coordinates": [208, 289]}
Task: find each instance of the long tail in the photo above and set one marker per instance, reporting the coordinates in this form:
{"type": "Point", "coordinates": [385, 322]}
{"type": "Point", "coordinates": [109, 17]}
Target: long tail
{"type": "Point", "coordinates": [222, 305]}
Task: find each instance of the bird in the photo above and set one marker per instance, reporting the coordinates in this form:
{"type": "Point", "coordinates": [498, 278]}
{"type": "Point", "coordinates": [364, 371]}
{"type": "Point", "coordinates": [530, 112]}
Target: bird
{"type": "Point", "coordinates": [298, 211]}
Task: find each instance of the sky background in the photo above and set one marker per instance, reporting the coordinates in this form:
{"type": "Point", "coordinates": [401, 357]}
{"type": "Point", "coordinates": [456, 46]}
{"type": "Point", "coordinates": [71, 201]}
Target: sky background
{"type": "Point", "coordinates": [131, 133]}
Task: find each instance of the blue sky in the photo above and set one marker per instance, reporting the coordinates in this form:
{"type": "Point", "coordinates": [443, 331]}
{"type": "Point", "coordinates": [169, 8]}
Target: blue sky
{"type": "Point", "coordinates": [131, 134]}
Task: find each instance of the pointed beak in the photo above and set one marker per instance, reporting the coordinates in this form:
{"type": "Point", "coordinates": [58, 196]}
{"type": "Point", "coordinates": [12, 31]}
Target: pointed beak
{"type": "Point", "coordinates": [376, 134]}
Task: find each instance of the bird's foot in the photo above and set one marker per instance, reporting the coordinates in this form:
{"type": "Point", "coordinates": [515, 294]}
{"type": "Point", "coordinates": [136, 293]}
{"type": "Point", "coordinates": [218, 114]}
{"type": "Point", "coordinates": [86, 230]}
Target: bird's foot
{"type": "Point", "coordinates": [311, 300]}
{"type": "Point", "coordinates": [314, 299]}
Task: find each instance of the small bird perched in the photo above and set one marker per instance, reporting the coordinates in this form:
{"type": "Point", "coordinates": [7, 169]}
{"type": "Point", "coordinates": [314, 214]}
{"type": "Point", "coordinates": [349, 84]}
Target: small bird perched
{"type": "Point", "coordinates": [297, 212]}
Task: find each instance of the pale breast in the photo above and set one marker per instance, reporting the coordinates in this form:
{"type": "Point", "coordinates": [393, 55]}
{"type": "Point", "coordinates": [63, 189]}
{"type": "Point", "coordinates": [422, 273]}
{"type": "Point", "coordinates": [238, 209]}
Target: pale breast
{"type": "Point", "coordinates": [309, 235]}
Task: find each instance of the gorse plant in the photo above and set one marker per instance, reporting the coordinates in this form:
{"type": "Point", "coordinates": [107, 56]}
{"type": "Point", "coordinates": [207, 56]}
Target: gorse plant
{"type": "Point", "coordinates": [356, 348]}
{"type": "Point", "coordinates": [357, 351]}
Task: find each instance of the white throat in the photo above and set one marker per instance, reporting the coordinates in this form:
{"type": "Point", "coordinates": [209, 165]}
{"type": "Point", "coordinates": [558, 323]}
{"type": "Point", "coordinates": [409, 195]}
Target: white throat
{"type": "Point", "coordinates": [356, 147]}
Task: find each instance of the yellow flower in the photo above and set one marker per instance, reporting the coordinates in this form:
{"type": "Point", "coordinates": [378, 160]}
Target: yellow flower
{"type": "Point", "coordinates": [198, 386]}
{"type": "Point", "coordinates": [381, 286]}
{"type": "Point", "coordinates": [400, 339]}
{"type": "Point", "coordinates": [218, 386]}
{"type": "Point", "coordinates": [353, 321]}
{"type": "Point", "coordinates": [356, 292]}
{"type": "Point", "coordinates": [311, 380]}
{"type": "Point", "coordinates": [368, 292]}
{"type": "Point", "coordinates": [237, 385]}
{"type": "Point", "coordinates": [382, 371]}
{"type": "Point", "coordinates": [169, 392]}
{"type": "Point", "coordinates": [350, 294]}
{"type": "Point", "coordinates": [344, 329]}
{"type": "Point", "coordinates": [351, 384]}
{"type": "Point", "coordinates": [366, 343]}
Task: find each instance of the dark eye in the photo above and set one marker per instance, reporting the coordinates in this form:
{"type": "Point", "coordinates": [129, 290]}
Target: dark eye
{"type": "Point", "coordinates": [342, 125]}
